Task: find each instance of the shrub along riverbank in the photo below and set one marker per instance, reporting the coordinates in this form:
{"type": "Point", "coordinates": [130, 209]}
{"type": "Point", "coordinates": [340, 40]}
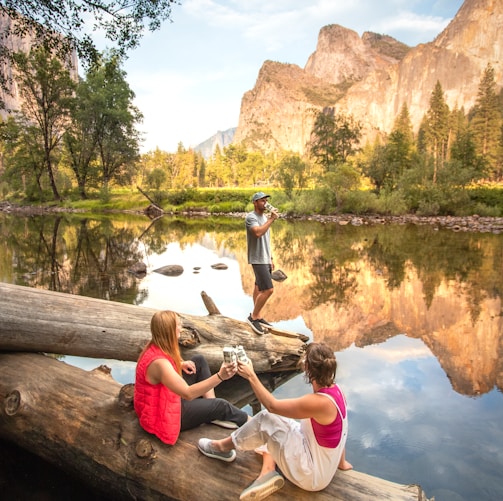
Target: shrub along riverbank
{"type": "Point", "coordinates": [236, 202]}
{"type": "Point", "coordinates": [464, 208]}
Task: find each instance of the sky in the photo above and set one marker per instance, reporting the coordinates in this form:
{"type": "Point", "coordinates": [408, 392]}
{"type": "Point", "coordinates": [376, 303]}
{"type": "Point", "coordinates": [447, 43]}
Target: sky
{"type": "Point", "coordinates": [189, 77]}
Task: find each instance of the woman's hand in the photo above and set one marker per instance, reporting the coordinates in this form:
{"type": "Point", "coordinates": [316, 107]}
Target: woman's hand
{"type": "Point", "coordinates": [189, 367]}
{"type": "Point", "coordinates": [245, 369]}
{"type": "Point", "coordinates": [227, 370]}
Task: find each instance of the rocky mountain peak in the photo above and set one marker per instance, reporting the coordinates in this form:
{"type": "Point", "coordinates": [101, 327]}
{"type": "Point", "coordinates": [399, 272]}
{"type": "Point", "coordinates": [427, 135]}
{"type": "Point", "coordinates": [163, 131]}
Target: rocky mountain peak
{"type": "Point", "coordinates": [342, 56]}
{"type": "Point", "coordinates": [372, 77]}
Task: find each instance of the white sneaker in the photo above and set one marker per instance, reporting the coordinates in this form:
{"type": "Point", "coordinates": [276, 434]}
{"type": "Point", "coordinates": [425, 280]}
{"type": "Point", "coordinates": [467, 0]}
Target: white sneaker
{"type": "Point", "coordinates": [204, 445]}
{"type": "Point", "coordinates": [225, 424]}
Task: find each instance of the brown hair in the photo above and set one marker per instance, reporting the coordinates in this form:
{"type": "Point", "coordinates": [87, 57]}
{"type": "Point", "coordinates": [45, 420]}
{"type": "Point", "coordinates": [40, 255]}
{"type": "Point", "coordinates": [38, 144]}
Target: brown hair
{"type": "Point", "coordinates": [163, 329]}
{"type": "Point", "coordinates": [320, 364]}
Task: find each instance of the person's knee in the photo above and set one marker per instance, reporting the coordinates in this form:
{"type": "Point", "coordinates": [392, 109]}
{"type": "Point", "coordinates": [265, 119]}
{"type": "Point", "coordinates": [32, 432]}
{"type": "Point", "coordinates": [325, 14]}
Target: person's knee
{"type": "Point", "coordinates": [199, 360]}
{"type": "Point", "coordinates": [228, 410]}
{"type": "Point", "coordinates": [202, 367]}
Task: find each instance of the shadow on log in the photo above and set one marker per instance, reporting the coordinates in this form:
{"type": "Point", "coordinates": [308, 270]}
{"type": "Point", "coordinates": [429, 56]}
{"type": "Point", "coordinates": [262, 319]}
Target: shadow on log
{"type": "Point", "coordinates": [36, 320]}
{"type": "Point", "coordinates": [84, 423]}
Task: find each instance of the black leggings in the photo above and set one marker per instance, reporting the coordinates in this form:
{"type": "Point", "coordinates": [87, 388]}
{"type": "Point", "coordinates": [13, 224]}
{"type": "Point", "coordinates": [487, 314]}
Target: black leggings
{"type": "Point", "coordinates": [205, 410]}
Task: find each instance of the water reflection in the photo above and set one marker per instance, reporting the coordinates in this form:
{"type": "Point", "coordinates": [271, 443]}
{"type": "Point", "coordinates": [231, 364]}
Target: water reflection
{"type": "Point", "coordinates": [415, 316]}
{"type": "Point", "coordinates": [349, 285]}
{"type": "Point", "coordinates": [406, 422]}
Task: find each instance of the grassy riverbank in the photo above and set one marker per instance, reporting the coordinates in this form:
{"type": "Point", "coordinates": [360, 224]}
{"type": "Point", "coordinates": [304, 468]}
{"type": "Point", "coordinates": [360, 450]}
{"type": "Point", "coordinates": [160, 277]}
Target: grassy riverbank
{"type": "Point", "coordinates": [485, 201]}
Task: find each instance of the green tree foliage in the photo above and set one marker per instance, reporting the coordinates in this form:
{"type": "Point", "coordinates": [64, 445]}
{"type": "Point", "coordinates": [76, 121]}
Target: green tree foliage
{"type": "Point", "coordinates": [118, 140]}
{"type": "Point", "coordinates": [156, 178]}
{"type": "Point", "coordinates": [387, 162]}
{"type": "Point", "coordinates": [334, 138]}
{"type": "Point", "coordinates": [487, 122]}
{"type": "Point", "coordinates": [63, 25]}
{"type": "Point", "coordinates": [23, 158]}
{"type": "Point", "coordinates": [435, 129]}
{"type": "Point", "coordinates": [156, 159]}
{"type": "Point", "coordinates": [234, 156]}
{"type": "Point", "coordinates": [213, 173]}
{"type": "Point", "coordinates": [185, 168]}
{"type": "Point", "coordinates": [466, 164]}
{"type": "Point", "coordinates": [341, 181]}
{"type": "Point", "coordinates": [81, 136]}
{"type": "Point", "coordinates": [292, 174]}
{"type": "Point", "coordinates": [47, 90]}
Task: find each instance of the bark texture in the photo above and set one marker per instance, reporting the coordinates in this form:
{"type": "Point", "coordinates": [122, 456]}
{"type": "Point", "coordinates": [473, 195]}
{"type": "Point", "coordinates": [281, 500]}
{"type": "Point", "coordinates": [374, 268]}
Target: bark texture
{"type": "Point", "coordinates": [37, 320]}
{"type": "Point", "coordinates": [84, 423]}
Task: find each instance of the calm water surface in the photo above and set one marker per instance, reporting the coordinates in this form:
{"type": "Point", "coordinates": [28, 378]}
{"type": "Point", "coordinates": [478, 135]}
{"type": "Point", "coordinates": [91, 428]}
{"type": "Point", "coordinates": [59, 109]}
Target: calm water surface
{"type": "Point", "coordinates": [413, 313]}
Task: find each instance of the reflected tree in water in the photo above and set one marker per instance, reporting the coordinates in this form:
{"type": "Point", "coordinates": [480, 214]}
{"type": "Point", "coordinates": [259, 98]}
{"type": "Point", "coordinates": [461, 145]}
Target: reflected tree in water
{"type": "Point", "coordinates": [332, 283]}
{"type": "Point", "coordinates": [89, 258]}
{"type": "Point", "coordinates": [102, 256]}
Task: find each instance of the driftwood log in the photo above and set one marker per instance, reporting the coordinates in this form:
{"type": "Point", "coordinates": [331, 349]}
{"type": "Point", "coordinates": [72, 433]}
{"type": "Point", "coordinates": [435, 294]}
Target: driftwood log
{"type": "Point", "coordinates": [84, 423]}
{"type": "Point", "coordinates": [36, 320]}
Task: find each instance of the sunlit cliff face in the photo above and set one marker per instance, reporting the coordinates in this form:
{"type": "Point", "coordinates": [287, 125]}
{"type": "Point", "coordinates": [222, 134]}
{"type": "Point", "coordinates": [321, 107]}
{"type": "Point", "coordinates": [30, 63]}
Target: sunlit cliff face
{"type": "Point", "coordinates": [372, 81]}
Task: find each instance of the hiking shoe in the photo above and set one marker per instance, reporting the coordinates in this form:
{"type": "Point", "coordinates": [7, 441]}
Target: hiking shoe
{"type": "Point", "coordinates": [263, 321]}
{"type": "Point", "coordinates": [204, 445]}
{"type": "Point", "coordinates": [230, 425]}
{"type": "Point", "coordinates": [263, 487]}
{"type": "Point", "coordinates": [255, 325]}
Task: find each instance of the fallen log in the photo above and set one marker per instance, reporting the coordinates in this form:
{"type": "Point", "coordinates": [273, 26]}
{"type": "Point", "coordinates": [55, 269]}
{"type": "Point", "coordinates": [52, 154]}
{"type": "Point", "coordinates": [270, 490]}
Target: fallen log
{"type": "Point", "coordinates": [84, 423]}
{"type": "Point", "coordinates": [37, 320]}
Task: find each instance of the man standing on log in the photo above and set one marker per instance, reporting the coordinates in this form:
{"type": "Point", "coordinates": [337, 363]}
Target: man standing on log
{"type": "Point", "coordinates": [258, 241]}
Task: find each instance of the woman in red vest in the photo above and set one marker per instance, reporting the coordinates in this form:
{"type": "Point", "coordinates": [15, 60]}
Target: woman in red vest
{"type": "Point", "coordinates": [167, 388]}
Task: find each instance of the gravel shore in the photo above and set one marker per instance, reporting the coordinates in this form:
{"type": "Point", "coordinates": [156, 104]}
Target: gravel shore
{"type": "Point", "coordinates": [472, 223]}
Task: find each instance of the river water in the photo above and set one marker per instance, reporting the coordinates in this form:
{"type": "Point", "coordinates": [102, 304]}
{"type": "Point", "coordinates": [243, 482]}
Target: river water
{"type": "Point", "coordinates": [414, 314]}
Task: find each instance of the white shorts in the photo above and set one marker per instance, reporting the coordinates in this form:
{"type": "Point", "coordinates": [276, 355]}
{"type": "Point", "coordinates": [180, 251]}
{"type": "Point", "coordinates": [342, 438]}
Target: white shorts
{"type": "Point", "coordinates": [293, 446]}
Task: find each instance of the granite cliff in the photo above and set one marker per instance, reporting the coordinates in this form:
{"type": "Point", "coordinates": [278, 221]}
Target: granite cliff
{"type": "Point", "coordinates": [16, 43]}
{"type": "Point", "coordinates": [371, 77]}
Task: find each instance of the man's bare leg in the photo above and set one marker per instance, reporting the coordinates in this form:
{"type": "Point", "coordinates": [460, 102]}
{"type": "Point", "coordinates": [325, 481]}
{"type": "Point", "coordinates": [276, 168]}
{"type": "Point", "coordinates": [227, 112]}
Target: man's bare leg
{"type": "Point", "coordinates": [260, 298]}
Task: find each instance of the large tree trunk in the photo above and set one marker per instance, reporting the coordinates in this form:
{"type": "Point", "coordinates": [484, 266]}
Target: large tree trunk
{"type": "Point", "coordinates": [37, 320]}
{"type": "Point", "coordinates": [84, 423]}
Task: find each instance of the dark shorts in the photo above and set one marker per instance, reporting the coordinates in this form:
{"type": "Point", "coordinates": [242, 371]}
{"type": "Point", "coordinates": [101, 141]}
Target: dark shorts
{"type": "Point", "coordinates": [263, 279]}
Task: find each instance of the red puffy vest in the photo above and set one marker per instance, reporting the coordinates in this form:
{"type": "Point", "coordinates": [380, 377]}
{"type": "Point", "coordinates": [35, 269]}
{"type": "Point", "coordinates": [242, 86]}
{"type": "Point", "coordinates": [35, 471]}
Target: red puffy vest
{"type": "Point", "coordinates": [157, 407]}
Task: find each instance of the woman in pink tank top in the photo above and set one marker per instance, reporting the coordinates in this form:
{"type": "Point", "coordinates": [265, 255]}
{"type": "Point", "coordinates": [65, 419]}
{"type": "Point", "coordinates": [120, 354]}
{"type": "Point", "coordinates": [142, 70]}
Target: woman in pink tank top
{"type": "Point", "coordinates": [303, 437]}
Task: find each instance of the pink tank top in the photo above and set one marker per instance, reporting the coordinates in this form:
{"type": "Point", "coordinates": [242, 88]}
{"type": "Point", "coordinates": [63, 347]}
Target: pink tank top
{"type": "Point", "coordinates": [329, 435]}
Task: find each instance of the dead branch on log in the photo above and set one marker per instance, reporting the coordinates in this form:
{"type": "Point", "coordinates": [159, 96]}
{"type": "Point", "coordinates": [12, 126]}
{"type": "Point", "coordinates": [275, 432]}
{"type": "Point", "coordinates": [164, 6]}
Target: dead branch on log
{"type": "Point", "coordinates": [153, 210]}
{"type": "Point", "coordinates": [210, 305]}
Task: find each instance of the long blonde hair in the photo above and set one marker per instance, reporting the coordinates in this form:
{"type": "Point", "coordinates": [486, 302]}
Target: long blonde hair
{"type": "Point", "coordinates": [163, 329]}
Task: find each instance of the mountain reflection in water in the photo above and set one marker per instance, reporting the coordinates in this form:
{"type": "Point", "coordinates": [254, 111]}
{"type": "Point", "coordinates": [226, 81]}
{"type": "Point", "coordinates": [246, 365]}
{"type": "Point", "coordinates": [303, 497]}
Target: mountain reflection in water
{"type": "Point", "coordinates": [414, 314]}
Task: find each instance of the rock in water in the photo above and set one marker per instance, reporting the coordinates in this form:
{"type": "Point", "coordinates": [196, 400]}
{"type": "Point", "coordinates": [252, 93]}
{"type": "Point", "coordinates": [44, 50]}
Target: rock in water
{"type": "Point", "coordinates": [171, 270]}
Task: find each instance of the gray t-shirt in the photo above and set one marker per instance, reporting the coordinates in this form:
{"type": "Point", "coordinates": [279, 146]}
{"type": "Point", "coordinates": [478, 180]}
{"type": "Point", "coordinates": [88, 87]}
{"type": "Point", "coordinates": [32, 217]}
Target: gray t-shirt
{"type": "Point", "coordinates": [259, 249]}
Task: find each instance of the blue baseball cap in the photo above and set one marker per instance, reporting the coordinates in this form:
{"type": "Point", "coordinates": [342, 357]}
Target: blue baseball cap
{"type": "Point", "coordinates": [259, 195]}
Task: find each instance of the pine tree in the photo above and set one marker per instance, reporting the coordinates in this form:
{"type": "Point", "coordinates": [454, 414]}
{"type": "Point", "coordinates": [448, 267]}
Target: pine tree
{"type": "Point", "coordinates": [486, 121]}
{"type": "Point", "coordinates": [436, 129]}
{"type": "Point", "coordinates": [400, 146]}
{"type": "Point", "coordinates": [334, 138]}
